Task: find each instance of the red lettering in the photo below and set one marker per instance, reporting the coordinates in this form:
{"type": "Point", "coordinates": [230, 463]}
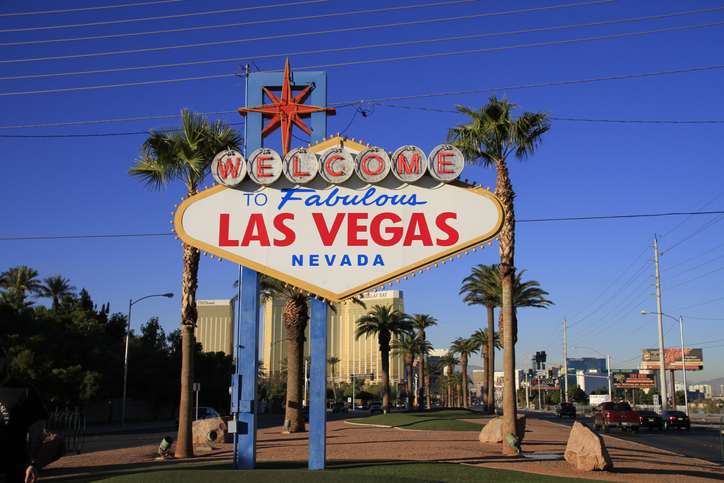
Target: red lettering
{"type": "Point", "coordinates": [328, 165]}
{"type": "Point", "coordinates": [354, 229]}
{"type": "Point", "coordinates": [402, 163]}
{"type": "Point", "coordinates": [224, 232]}
{"type": "Point", "coordinates": [441, 161]}
{"type": "Point", "coordinates": [224, 169]}
{"type": "Point", "coordinates": [256, 231]}
{"type": "Point", "coordinates": [296, 167]}
{"type": "Point", "coordinates": [417, 222]}
{"type": "Point", "coordinates": [260, 167]}
{"type": "Point", "coordinates": [395, 231]}
{"type": "Point", "coordinates": [452, 234]}
{"type": "Point", "coordinates": [289, 235]}
{"type": "Point", "coordinates": [328, 235]}
{"type": "Point", "coordinates": [380, 166]}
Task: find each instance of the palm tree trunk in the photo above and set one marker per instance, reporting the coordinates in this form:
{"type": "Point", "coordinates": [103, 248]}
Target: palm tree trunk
{"type": "Point", "coordinates": [490, 388]}
{"type": "Point", "coordinates": [486, 375]}
{"type": "Point", "coordinates": [189, 283]}
{"type": "Point", "coordinates": [427, 386]}
{"type": "Point", "coordinates": [504, 192]}
{"type": "Point", "coordinates": [295, 319]}
{"type": "Point", "coordinates": [420, 381]}
{"type": "Point", "coordinates": [464, 363]}
{"type": "Point", "coordinates": [409, 359]}
{"type": "Point", "coordinates": [384, 340]}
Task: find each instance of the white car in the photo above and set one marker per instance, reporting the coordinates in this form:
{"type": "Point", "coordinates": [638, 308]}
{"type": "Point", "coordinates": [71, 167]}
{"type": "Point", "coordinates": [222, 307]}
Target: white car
{"type": "Point", "coordinates": [376, 406]}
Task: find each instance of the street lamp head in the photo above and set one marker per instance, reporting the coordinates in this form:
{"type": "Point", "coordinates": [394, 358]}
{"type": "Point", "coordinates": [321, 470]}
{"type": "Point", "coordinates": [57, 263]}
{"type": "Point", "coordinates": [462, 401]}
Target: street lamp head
{"type": "Point", "coordinates": [169, 295]}
{"type": "Point", "coordinates": [646, 312]}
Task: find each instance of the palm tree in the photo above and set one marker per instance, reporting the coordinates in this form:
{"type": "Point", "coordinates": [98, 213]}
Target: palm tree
{"type": "Point", "coordinates": [428, 370]}
{"type": "Point", "coordinates": [481, 339]}
{"type": "Point", "coordinates": [184, 154]}
{"type": "Point", "coordinates": [408, 346]}
{"type": "Point", "coordinates": [17, 283]}
{"type": "Point", "coordinates": [456, 385]}
{"type": "Point", "coordinates": [482, 287]}
{"type": "Point", "coordinates": [55, 288]}
{"type": "Point", "coordinates": [491, 136]}
{"type": "Point", "coordinates": [449, 361]}
{"type": "Point", "coordinates": [386, 322]}
{"type": "Point", "coordinates": [421, 322]}
{"type": "Point", "coordinates": [333, 361]}
{"type": "Point", "coordinates": [464, 347]}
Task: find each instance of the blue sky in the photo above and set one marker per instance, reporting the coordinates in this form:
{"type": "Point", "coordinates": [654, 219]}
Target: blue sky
{"type": "Point", "coordinates": [633, 88]}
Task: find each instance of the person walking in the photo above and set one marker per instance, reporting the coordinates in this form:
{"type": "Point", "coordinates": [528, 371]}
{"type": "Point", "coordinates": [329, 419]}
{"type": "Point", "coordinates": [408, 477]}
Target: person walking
{"type": "Point", "coordinates": [21, 426]}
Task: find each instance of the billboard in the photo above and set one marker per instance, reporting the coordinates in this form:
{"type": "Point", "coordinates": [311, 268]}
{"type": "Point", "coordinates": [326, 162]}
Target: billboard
{"type": "Point", "coordinates": [672, 359]}
{"type": "Point", "coordinates": [545, 384]}
{"type": "Point", "coordinates": [341, 238]}
{"type": "Point", "coordinates": [633, 380]}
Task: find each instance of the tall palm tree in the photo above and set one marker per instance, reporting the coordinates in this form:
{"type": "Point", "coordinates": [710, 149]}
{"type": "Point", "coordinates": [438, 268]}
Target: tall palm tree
{"type": "Point", "coordinates": [184, 154]}
{"type": "Point", "coordinates": [18, 283]}
{"type": "Point", "coordinates": [385, 322]}
{"type": "Point", "coordinates": [481, 338]}
{"type": "Point", "coordinates": [427, 371]}
{"type": "Point", "coordinates": [449, 361]}
{"type": "Point", "coordinates": [421, 322]}
{"type": "Point", "coordinates": [55, 288]}
{"type": "Point", "coordinates": [456, 384]}
{"type": "Point", "coordinates": [295, 317]}
{"type": "Point", "coordinates": [491, 136]}
{"type": "Point", "coordinates": [464, 347]}
{"type": "Point", "coordinates": [408, 346]}
{"type": "Point", "coordinates": [333, 361]}
{"type": "Point", "coordinates": [482, 287]}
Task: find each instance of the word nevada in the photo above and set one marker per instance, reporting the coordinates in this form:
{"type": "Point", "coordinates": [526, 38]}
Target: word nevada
{"type": "Point", "coordinates": [336, 165]}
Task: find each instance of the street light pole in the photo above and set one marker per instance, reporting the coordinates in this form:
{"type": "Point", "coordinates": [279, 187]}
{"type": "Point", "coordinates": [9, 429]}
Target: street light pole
{"type": "Point", "coordinates": [683, 359]}
{"type": "Point", "coordinates": [125, 362]}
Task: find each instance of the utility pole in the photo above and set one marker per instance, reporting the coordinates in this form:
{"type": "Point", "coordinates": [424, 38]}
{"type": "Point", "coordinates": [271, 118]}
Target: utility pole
{"type": "Point", "coordinates": [565, 360]}
{"type": "Point", "coordinates": [527, 384]}
{"type": "Point", "coordinates": [662, 363]}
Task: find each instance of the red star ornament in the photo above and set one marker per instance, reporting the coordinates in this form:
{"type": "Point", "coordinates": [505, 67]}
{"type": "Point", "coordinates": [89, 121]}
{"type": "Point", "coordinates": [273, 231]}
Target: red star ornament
{"type": "Point", "coordinates": [286, 111]}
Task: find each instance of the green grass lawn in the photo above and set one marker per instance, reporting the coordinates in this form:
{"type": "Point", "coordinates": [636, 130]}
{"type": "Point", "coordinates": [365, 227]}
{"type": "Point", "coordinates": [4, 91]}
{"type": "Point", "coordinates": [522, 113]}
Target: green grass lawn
{"type": "Point", "coordinates": [433, 420]}
{"type": "Point", "coordinates": [346, 471]}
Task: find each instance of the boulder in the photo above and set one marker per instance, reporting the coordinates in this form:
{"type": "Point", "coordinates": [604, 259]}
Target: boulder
{"type": "Point", "coordinates": [53, 448]}
{"type": "Point", "coordinates": [205, 426]}
{"type": "Point", "coordinates": [492, 432]}
{"type": "Point", "coordinates": [586, 451]}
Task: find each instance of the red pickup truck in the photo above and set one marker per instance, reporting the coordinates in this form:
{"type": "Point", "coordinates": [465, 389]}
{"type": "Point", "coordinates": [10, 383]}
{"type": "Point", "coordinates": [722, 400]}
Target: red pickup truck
{"type": "Point", "coordinates": [618, 415]}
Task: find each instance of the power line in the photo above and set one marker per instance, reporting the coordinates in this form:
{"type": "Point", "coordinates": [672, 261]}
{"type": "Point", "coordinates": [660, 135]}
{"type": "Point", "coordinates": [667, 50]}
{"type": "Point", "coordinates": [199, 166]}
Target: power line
{"type": "Point", "coordinates": [183, 15]}
{"type": "Point", "coordinates": [173, 234]}
{"type": "Point", "coordinates": [341, 49]}
{"type": "Point", "coordinates": [89, 8]}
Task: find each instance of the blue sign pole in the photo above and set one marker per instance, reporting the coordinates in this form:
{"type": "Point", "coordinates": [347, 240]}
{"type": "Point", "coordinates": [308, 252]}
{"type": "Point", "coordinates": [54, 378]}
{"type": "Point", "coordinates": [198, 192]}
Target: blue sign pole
{"type": "Point", "coordinates": [318, 386]}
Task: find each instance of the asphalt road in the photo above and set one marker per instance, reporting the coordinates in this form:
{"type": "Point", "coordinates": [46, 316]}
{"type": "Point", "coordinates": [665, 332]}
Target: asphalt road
{"type": "Point", "coordinates": [703, 442]}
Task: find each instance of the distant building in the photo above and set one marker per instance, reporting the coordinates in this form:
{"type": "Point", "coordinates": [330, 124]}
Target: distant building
{"type": "Point", "coordinates": [215, 326]}
{"type": "Point", "coordinates": [705, 389]}
{"type": "Point", "coordinates": [360, 358]}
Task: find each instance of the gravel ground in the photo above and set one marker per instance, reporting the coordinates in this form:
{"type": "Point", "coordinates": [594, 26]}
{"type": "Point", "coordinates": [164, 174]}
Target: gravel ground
{"type": "Point", "coordinates": [347, 440]}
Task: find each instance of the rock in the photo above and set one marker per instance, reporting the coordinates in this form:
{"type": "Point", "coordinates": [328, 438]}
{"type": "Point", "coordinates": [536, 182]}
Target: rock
{"type": "Point", "coordinates": [205, 426]}
{"type": "Point", "coordinates": [492, 432]}
{"type": "Point", "coordinates": [53, 448]}
{"type": "Point", "coordinates": [586, 451]}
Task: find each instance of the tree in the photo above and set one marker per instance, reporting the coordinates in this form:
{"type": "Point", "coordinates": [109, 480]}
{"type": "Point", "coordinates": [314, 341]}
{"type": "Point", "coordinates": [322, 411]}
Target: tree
{"type": "Point", "coordinates": [55, 288]}
{"type": "Point", "coordinates": [333, 361]}
{"type": "Point", "coordinates": [428, 370]}
{"type": "Point", "coordinates": [491, 136]}
{"type": "Point", "coordinates": [385, 322]}
{"type": "Point", "coordinates": [17, 284]}
{"type": "Point", "coordinates": [449, 361]}
{"type": "Point", "coordinates": [408, 346]}
{"type": "Point", "coordinates": [456, 384]}
{"type": "Point", "coordinates": [483, 342]}
{"type": "Point", "coordinates": [464, 347]}
{"type": "Point", "coordinates": [482, 287]}
{"type": "Point", "coordinates": [184, 154]}
{"type": "Point", "coordinates": [421, 322]}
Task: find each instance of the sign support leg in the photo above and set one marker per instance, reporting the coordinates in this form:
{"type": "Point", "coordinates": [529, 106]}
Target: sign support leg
{"type": "Point", "coordinates": [244, 404]}
{"type": "Point", "coordinates": [318, 387]}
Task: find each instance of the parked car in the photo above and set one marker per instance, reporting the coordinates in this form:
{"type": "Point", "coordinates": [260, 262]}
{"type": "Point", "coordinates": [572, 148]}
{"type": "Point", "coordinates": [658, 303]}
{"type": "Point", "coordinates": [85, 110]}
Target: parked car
{"type": "Point", "coordinates": [204, 413]}
{"type": "Point", "coordinates": [376, 406]}
{"type": "Point", "coordinates": [360, 406]}
{"type": "Point", "coordinates": [617, 415]}
{"type": "Point", "coordinates": [566, 409]}
{"type": "Point", "coordinates": [676, 419]}
{"type": "Point", "coordinates": [340, 407]}
{"type": "Point", "coordinates": [651, 419]}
